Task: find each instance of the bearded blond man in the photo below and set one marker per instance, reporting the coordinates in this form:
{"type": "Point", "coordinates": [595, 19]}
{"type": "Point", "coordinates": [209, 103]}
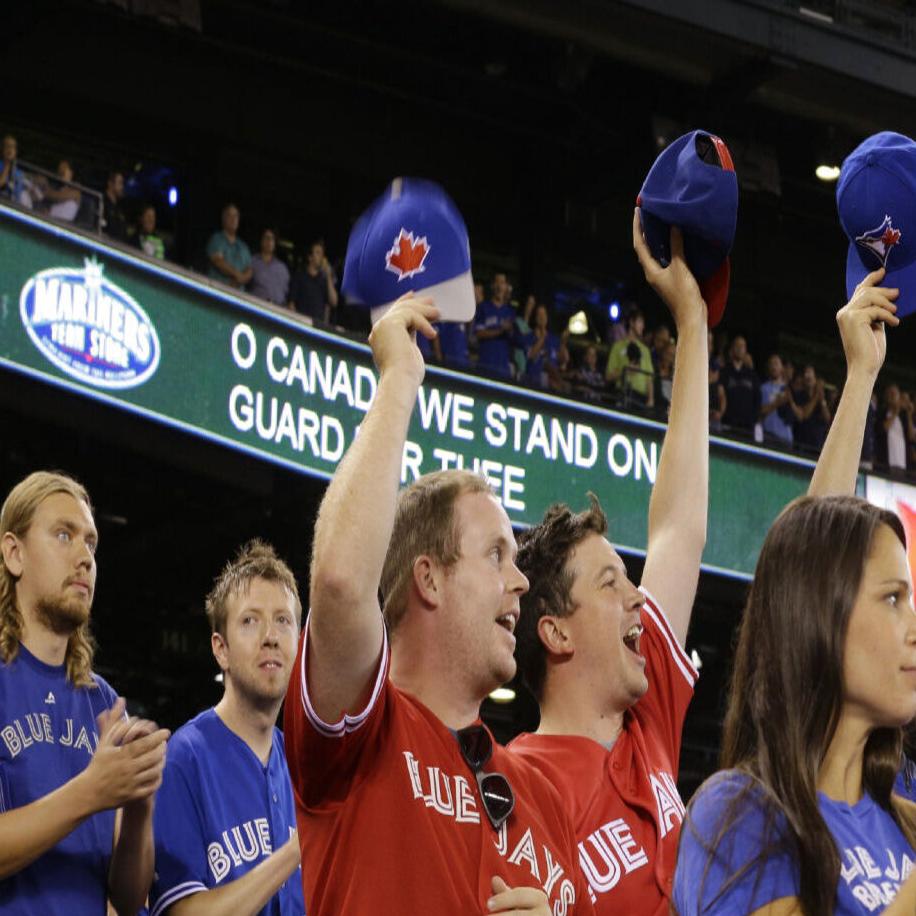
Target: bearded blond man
{"type": "Point", "coordinates": [77, 776]}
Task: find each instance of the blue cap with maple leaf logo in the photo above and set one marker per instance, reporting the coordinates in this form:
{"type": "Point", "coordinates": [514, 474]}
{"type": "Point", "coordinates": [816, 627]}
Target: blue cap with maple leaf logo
{"type": "Point", "coordinates": [876, 202]}
{"type": "Point", "coordinates": [692, 185]}
{"type": "Point", "coordinates": [411, 239]}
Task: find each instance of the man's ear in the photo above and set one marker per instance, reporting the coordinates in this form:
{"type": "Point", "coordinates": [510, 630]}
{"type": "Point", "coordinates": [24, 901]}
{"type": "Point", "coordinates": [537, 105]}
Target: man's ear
{"type": "Point", "coordinates": [220, 650]}
{"type": "Point", "coordinates": [427, 580]}
{"type": "Point", "coordinates": [11, 547]}
{"type": "Point", "coordinates": [555, 636]}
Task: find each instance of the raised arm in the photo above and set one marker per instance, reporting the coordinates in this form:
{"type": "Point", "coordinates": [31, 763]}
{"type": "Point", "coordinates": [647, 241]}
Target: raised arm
{"type": "Point", "coordinates": [862, 321]}
{"type": "Point", "coordinates": [678, 506]}
{"type": "Point", "coordinates": [356, 518]}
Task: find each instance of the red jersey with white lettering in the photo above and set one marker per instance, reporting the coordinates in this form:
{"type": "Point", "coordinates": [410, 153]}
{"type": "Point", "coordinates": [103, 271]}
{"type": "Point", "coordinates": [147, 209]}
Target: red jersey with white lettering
{"type": "Point", "coordinates": [391, 821]}
{"type": "Point", "coordinates": [624, 802]}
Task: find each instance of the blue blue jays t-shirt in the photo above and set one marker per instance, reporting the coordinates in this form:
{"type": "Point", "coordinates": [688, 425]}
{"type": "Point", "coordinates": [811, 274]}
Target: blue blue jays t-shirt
{"type": "Point", "coordinates": [453, 339]}
{"type": "Point", "coordinates": [494, 354]}
{"type": "Point", "coordinates": [875, 858]}
{"type": "Point", "coordinates": [219, 813]}
{"type": "Point", "coordinates": [48, 734]}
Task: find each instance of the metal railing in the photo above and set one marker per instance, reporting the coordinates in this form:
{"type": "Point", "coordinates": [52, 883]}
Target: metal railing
{"type": "Point", "coordinates": [34, 188]}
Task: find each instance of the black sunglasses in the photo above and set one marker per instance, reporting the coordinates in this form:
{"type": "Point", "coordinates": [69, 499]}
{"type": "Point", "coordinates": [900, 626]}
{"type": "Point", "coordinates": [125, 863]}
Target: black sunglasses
{"type": "Point", "coordinates": [477, 748]}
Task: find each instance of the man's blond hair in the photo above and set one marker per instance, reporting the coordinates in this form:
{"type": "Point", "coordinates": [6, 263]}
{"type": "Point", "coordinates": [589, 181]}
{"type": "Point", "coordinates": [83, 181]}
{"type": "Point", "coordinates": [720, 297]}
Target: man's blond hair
{"type": "Point", "coordinates": [424, 525]}
{"type": "Point", "coordinates": [16, 517]}
{"type": "Point", "coordinates": [254, 560]}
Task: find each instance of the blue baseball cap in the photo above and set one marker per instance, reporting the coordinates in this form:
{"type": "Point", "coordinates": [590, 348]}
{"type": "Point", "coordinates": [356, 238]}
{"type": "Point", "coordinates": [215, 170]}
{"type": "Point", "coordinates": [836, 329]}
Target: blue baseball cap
{"type": "Point", "coordinates": [692, 185]}
{"type": "Point", "coordinates": [876, 202]}
{"type": "Point", "coordinates": [411, 238]}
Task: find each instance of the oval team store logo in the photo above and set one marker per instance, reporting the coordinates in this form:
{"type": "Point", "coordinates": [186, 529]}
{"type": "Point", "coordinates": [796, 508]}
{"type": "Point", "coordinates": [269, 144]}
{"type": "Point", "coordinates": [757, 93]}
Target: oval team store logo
{"type": "Point", "coordinates": [88, 327]}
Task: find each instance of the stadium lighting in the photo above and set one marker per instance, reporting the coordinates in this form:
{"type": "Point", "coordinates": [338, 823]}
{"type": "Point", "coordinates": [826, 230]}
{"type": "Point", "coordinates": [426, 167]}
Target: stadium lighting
{"type": "Point", "coordinates": [503, 695]}
{"type": "Point", "coordinates": [613, 311]}
{"type": "Point", "coordinates": [827, 172]}
{"type": "Point", "coordinates": [578, 324]}
{"type": "Point", "coordinates": [173, 196]}
{"type": "Point", "coordinates": [219, 678]}
{"type": "Point", "coordinates": [695, 658]}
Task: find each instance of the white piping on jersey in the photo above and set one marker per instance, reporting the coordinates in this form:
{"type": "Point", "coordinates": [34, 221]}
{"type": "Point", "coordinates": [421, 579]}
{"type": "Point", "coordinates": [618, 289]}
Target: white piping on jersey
{"type": "Point", "coordinates": [174, 894]}
{"type": "Point", "coordinates": [347, 722]}
{"type": "Point", "coordinates": [681, 659]}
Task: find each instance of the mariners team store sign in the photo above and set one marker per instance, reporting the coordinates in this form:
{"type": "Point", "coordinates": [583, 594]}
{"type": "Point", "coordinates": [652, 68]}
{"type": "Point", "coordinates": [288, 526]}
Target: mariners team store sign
{"type": "Point", "coordinates": [165, 345]}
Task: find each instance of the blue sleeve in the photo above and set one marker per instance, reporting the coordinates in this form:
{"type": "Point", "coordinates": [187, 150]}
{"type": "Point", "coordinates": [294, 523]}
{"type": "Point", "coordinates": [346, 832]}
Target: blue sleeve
{"type": "Point", "coordinates": [480, 318]}
{"type": "Point", "coordinates": [721, 876]}
{"type": "Point", "coordinates": [181, 850]}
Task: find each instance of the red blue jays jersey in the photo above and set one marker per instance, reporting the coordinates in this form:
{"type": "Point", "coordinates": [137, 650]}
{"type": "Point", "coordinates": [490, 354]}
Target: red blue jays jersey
{"type": "Point", "coordinates": [48, 734]}
{"type": "Point", "coordinates": [391, 819]}
{"type": "Point", "coordinates": [624, 801]}
{"type": "Point", "coordinates": [219, 813]}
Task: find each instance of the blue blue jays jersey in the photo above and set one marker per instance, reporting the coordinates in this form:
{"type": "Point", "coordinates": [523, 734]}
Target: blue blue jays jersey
{"type": "Point", "coordinates": [48, 734]}
{"type": "Point", "coordinates": [219, 813]}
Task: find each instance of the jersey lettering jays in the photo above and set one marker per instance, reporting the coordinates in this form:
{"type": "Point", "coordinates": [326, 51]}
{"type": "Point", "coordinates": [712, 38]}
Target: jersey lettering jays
{"type": "Point", "coordinates": [392, 781]}
{"type": "Point", "coordinates": [624, 802]}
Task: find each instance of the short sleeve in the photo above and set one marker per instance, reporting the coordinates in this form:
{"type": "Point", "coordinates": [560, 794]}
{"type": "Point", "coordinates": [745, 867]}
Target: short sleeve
{"type": "Point", "coordinates": [617, 357]}
{"type": "Point", "coordinates": [181, 849]}
{"type": "Point", "coordinates": [671, 676]}
{"type": "Point", "coordinates": [326, 758]}
{"type": "Point", "coordinates": [740, 870]}
{"type": "Point", "coordinates": [246, 255]}
{"type": "Point", "coordinates": [480, 319]}
{"type": "Point", "coordinates": [214, 245]}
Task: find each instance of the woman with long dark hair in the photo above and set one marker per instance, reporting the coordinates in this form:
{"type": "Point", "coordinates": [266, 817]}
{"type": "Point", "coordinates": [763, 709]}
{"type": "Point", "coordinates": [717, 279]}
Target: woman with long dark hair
{"type": "Point", "coordinates": [804, 819]}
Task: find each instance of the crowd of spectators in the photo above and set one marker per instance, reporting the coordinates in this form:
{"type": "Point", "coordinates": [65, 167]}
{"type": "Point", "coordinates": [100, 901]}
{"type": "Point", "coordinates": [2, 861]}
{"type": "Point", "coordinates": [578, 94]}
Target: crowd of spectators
{"type": "Point", "coordinates": [789, 407]}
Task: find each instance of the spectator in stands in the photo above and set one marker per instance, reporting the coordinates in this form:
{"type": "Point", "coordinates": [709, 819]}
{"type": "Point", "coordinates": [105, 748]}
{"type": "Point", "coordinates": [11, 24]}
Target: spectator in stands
{"type": "Point", "coordinates": [229, 256]}
{"type": "Point", "coordinates": [494, 327]}
{"type": "Point", "coordinates": [453, 343]}
{"type": "Point", "coordinates": [312, 292]}
{"type": "Point", "coordinates": [742, 388]}
{"type": "Point", "coordinates": [269, 275]}
{"type": "Point", "coordinates": [478, 294]}
{"type": "Point", "coordinates": [13, 185]}
{"type": "Point", "coordinates": [147, 238]}
{"type": "Point", "coordinates": [664, 373]}
{"type": "Point", "coordinates": [661, 337]}
{"type": "Point", "coordinates": [638, 384]}
{"type": "Point", "coordinates": [59, 198]}
{"type": "Point", "coordinates": [589, 382]}
{"type": "Point", "coordinates": [717, 402]}
{"type": "Point", "coordinates": [897, 427]}
{"type": "Point", "coordinates": [812, 415]}
{"type": "Point", "coordinates": [542, 352]}
{"type": "Point", "coordinates": [522, 335]}
{"type": "Point", "coordinates": [715, 366]}
{"type": "Point", "coordinates": [112, 211]}
{"type": "Point", "coordinates": [775, 413]}
{"type": "Point", "coordinates": [869, 439]}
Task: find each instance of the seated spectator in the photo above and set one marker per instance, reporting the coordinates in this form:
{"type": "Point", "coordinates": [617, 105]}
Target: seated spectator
{"type": "Point", "coordinates": [229, 256]}
{"type": "Point", "coordinates": [717, 402]}
{"type": "Point", "coordinates": [115, 222]}
{"type": "Point", "coordinates": [494, 327]}
{"type": "Point", "coordinates": [13, 184]}
{"type": "Point", "coordinates": [542, 352]}
{"type": "Point", "coordinates": [59, 198]}
{"type": "Point", "coordinates": [269, 275]}
{"type": "Point", "coordinates": [812, 415]}
{"type": "Point", "coordinates": [775, 413]}
{"type": "Point", "coordinates": [897, 427]}
{"type": "Point", "coordinates": [312, 292]}
{"type": "Point", "coordinates": [742, 388]}
{"type": "Point", "coordinates": [638, 384]}
{"type": "Point", "coordinates": [147, 238]}
{"type": "Point", "coordinates": [664, 375]}
{"type": "Point", "coordinates": [588, 382]}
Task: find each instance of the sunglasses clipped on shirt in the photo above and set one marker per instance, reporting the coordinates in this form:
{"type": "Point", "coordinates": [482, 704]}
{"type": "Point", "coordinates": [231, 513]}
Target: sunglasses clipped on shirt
{"type": "Point", "coordinates": [476, 748]}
